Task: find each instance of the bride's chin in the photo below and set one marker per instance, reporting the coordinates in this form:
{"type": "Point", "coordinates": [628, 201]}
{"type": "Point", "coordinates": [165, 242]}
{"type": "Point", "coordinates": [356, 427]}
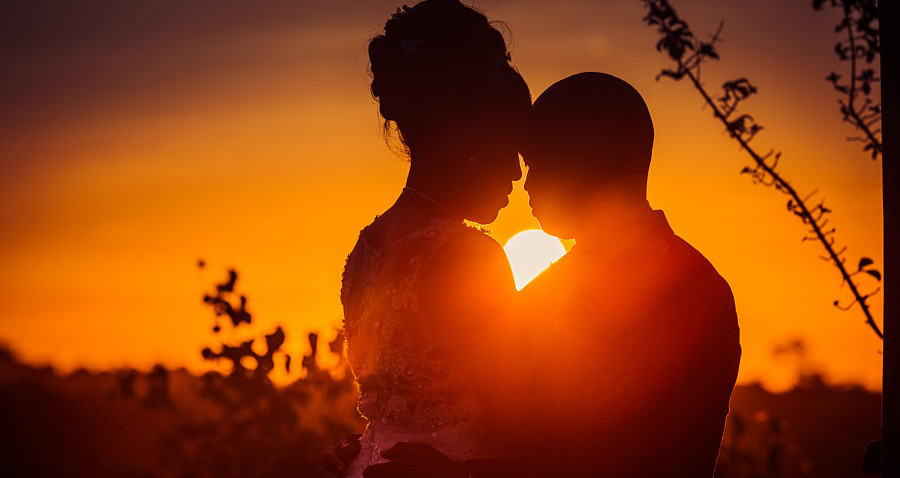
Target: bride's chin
{"type": "Point", "coordinates": [483, 218]}
{"type": "Point", "coordinates": [487, 216]}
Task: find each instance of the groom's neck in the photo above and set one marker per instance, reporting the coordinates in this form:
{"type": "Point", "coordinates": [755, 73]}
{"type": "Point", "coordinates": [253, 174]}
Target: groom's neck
{"type": "Point", "coordinates": [604, 224]}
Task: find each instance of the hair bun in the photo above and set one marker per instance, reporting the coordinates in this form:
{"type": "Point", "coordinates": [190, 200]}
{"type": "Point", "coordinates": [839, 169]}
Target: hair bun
{"type": "Point", "coordinates": [436, 56]}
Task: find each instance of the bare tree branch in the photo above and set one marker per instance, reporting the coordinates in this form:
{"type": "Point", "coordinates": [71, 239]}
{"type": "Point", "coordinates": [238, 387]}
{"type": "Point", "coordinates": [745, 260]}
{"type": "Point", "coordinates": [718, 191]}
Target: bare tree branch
{"type": "Point", "coordinates": [860, 18]}
{"type": "Point", "coordinates": [688, 53]}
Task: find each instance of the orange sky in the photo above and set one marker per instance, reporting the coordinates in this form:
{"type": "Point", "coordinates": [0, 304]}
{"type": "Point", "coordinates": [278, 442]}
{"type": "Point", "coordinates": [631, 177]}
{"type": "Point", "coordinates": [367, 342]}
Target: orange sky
{"type": "Point", "coordinates": [140, 136]}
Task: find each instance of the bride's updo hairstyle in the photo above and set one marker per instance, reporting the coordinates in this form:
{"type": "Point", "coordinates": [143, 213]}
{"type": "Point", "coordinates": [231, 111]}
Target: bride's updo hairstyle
{"type": "Point", "coordinates": [440, 66]}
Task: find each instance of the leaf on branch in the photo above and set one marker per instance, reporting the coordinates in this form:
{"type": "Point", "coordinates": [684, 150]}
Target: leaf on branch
{"type": "Point", "coordinates": [874, 273]}
{"type": "Point", "coordinates": [875, 152]}
{"type": "Point", "coordinates": [708, 50]}
{"type": "Point", "coordinates": [676, 75]}
{"type": "Point", "coordinates": [845, 23]}
{"type": "Point", "coordinates": [675, 44]}
{"type": "Point", "coordinates": [870, 55]}
{"type": "Point", "coordinates": [841, 51]}
{"type": "Point", "coordinates": [865, 261]}
{"type": "Point", "coordinates": [743, 125]}
{"type": "Point", "coordinates": [740, 89]}
{"type": "Point", "coordinates": [659, 11]}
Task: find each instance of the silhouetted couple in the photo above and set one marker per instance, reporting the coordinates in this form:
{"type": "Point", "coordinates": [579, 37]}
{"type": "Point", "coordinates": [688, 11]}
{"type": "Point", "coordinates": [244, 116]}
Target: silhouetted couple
{"type": "Point", "coordinates": [619, 360]}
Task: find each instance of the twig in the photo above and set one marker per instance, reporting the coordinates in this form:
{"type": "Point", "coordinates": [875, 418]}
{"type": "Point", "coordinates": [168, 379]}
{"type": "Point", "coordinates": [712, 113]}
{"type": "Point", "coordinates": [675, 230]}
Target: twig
{"type": "Point", "coordinates": [862, 43]}
{"type": "Point", "coordinates": [677, 40]}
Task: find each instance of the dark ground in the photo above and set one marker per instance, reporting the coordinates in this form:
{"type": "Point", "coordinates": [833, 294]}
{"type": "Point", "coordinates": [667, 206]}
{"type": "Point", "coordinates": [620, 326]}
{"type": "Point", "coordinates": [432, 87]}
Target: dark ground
{"type": "Point", "coordinates": [172, 423]}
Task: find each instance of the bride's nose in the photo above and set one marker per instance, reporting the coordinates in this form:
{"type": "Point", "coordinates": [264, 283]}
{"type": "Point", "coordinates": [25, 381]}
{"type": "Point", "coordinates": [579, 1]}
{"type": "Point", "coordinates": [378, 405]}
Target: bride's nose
{"type": "Point", "coordinates": [516, 169]}
{"type": "Point", "coordinates": [530, 180]}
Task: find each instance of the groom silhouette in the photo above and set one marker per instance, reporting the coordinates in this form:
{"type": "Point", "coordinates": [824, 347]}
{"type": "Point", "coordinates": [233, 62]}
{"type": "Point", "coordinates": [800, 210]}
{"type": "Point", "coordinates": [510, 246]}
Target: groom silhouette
{"type": "Point", "coordinates": [634, 333]}
{"type": "Point", "coordinates": [638, 349]}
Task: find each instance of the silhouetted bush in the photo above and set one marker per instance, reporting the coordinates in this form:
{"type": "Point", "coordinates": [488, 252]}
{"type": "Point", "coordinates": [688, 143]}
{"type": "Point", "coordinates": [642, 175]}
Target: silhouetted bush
{"type": "Point", "coordinates": [245, 425]}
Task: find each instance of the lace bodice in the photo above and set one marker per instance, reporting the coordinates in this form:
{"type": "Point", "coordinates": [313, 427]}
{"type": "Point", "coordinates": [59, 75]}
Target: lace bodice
{"type": "Point", "coordinates": [405, 365]}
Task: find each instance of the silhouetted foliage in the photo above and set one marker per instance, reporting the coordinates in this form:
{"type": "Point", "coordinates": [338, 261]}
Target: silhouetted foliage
{"type": "Point", "coordinates": [222, 305]}
{"type": "Point", "coordinates": [860, 23]}
{"type": "Point", "coordinates": [69, 425]}
{"type": "Point", "coordinates": [752, 449]}
{"type": "Point", "coordinates": [125, 380]}
{"type": "Point", "coordinates": [689, 54]}
{"type": "Point", "coordinates": [158, 388]}
{"type": "Point", "coordinates": [252, 428]}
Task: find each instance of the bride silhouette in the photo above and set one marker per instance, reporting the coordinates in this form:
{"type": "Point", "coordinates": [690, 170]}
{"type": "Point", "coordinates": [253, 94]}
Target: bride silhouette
{"type": "Point", "coordinates": [423, 293]}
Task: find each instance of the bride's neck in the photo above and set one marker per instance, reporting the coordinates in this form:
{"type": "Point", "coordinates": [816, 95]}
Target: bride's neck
{"type": "Point", "coordinates": [413, 209]}
{"type": "Point", "coordinates": [431, 185]}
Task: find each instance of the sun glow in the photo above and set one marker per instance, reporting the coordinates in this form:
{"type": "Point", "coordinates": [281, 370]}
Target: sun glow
{"type": "Point", "coordinates": [530, 252]}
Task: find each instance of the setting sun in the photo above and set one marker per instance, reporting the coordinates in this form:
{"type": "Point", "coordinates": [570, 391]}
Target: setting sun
{"type": "Point", "coordinates": [530, 252]}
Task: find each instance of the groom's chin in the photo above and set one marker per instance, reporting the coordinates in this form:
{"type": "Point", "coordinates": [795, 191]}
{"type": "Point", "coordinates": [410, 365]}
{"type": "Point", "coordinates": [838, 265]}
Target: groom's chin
{"type": "Point", "coordinates": [556, 228]}
{"type": "Point", "coordinates": [553, 220]}
{"type": "Point", "coordinates": [562, 235]}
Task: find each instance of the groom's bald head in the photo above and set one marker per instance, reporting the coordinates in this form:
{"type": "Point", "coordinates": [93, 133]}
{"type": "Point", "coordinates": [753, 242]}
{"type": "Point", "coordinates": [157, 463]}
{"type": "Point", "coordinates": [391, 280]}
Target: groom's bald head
{"type": "Point", "coordinates": [595, 123]}
{"type": "Point", "coordinates": [591, 136]}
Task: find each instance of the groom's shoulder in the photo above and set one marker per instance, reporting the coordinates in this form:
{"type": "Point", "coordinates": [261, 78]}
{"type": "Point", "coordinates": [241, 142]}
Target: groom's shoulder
{"type": "Point", "coordinates": [469, 243]}
{"type": "Point", "coordinates": [698, 274]}
{"type": "Point", "coordinates": [687, 266]}
{"type": "Point", "coordinates": [468, 255]}
{"type": "Point", "coordinates": [695, 283]}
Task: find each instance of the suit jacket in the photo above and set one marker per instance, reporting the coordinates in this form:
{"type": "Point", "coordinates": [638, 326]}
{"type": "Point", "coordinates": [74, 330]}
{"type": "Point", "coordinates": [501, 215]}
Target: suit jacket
{"type": "Point", "coordinates": [637, 349]}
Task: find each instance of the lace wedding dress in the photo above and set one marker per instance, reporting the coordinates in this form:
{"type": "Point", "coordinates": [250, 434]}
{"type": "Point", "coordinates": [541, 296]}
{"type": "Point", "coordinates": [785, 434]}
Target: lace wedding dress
{"type": "Point", "coordinates": [410, 382]}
